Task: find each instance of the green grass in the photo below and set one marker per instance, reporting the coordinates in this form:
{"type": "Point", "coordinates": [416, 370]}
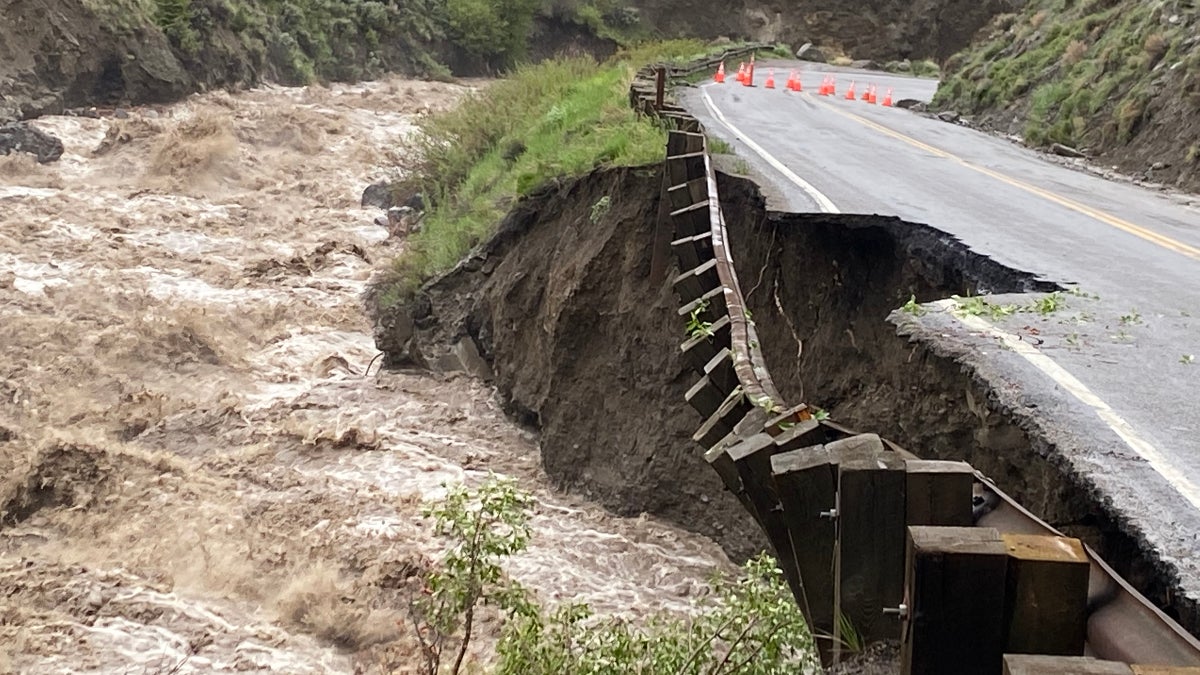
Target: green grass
{"type": "Point", "coordinates": [1079, 72]}
{"type": "Point", "coordinates": [557, 119]}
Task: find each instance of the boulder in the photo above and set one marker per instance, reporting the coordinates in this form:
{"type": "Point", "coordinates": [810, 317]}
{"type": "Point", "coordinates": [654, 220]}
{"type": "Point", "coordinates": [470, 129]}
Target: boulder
{"type": "Point", "coordinates": [949, 116]}
{"type": "Point", "coordinates": [808, 52]}
{"type": "Point", "coordinates": [864, 64]}
{"type": "Point", "coordinates": [378, 194]}
{"type": "Point", "coordinates": [21, 137]}
{"type": "Point", "coordinates": [1065, 151]}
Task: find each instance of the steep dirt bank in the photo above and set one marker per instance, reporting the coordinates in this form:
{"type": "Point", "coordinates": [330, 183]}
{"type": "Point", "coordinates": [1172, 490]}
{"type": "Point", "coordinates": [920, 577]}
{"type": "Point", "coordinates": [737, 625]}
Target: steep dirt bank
{"type": "Point", "coordinates": [584, 346]}
{"type": "Point", "coordinates": [830, 283]}
{"type": "Point", "coordinates": [891, 29]}
{"type": "Point", "coordinates": [1120, 80]}
{"type": "Point", "coordinates": [197, 471]}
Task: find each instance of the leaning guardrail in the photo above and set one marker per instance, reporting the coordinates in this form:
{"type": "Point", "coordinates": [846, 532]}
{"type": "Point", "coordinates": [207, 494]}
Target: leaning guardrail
{"type": "Point", "coordinates": [875, 542]}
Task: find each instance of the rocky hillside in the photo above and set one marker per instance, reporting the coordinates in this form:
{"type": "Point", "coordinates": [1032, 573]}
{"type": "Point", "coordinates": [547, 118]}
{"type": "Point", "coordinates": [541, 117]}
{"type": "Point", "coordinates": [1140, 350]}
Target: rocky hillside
{"type": "Point", "coordinates": [864, 29]}
{"type": "Point", "coordinates": [1119, 79]}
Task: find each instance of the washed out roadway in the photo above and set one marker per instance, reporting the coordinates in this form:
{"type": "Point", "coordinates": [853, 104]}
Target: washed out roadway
{"type": "Point", "coordinates": [1117, 376]}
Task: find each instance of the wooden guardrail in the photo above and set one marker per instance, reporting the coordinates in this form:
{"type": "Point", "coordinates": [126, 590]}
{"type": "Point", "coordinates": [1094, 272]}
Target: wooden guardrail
{"type": "Point", "coordinates": [874, 542]}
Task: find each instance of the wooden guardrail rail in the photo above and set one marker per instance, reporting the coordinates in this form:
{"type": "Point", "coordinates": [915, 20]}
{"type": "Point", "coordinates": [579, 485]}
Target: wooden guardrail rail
{"type": "Point", "coordinates": [871, 539]}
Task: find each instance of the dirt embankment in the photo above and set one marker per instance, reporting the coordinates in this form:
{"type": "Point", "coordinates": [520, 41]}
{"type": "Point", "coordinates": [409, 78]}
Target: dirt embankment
{"type": "Point", "coordinates": [584, 345]}
{"type": "Point", "coordinates": [1119, 80]}
{"type": "Point", "coordinates": [880, 30]}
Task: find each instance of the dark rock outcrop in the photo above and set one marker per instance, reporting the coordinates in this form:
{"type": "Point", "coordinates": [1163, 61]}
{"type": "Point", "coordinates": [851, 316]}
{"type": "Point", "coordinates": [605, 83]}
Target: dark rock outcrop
{"type": "Point", "coordinates": [20, 137]}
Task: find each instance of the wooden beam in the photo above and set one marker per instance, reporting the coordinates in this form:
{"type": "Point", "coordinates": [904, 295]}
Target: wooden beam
{"type": "Point", "coordinates": [806, 483]}
{"type": "Point", "coordinates": [1030, 664]}
{"type": "Point", "coordinates": [954, 583]}
{"type": "Point", "coordinates": [939, 493]}
{"type": "Point", "coordinates": [871, 535]}
{"type": "Point", "coordinates": [1046, 598]}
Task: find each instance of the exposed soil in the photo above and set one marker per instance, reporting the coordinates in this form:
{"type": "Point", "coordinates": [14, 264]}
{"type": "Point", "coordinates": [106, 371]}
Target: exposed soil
{"type": "Point", "coordinates": [197, 471]}
{"type": "Point", "coordinates": [584, 344]}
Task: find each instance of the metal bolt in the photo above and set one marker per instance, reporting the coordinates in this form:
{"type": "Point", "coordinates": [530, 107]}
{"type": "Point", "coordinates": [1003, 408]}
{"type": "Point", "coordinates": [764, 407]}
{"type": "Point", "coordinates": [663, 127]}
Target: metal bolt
{"type": "Point", "coordinates": [830, 514]}
{"type": "Point", "coordinates": [900, 612]}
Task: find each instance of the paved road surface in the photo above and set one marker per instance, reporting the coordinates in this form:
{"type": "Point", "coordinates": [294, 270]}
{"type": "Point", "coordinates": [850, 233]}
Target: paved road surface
{"type": "Point", "coordinates": [1116, 369]}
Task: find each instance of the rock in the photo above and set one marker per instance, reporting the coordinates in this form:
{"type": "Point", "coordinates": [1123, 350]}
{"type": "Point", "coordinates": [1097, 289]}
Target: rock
{"type": "Point", "coordinates": [949, 116]}
{"type": "Point", "coordinates": [121, 114]}
{"type": "Point", "coordinates": [1159, 166]}
{"type": "Point", "coordinates": [1065, 151]}
{"type": "Point", "coordinates": [911, 104]}
{"type": "Point", "coordinates": [20, 137]}
{"type": "Point", "coordinates": [415, 202]}
{"type": "Point", "coordinates": [904, 66]}
{"type": "Point", "coordinates": [808, 52]}
{"type": "Point", "coordinates": [378, 195]}
{"type": "Point", "coordinates": [864, 64]}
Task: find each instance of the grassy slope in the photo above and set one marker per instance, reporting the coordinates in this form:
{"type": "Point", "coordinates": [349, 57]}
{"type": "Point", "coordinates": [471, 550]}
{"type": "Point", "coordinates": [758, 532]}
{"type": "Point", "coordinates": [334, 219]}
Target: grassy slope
{"type": "Point", "coordinates": [1118, 77]}
{"type": "Point", "coordinates": [557, 119]}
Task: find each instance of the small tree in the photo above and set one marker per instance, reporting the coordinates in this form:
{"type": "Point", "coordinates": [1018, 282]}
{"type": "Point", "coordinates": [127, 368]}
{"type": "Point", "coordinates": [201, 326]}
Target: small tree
{"type": "Point", "coordinates": [484, 526]}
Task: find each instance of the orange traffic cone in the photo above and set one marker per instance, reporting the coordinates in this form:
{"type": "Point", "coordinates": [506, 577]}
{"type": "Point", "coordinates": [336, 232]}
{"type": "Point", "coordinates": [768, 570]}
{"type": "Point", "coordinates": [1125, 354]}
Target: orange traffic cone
{"type": "Point", "coordinates": [887, 98]}
{"type": "Point", "coordinates": [871, 95]}
{"type": "Point", "coordinates": [793, 83]}
{"type": "Point", "coordinates": [850, 92]}
{"type": "Point", "coordinates": [741, 73]}
{"type": "Point", "coordinates": [720, 76]}
{"type": "Point", "coordinates": [832, 86]}
{"type": "Point", "coordinates": [770, 83]}
{"type": "Point", "coordinates": [750, 73]}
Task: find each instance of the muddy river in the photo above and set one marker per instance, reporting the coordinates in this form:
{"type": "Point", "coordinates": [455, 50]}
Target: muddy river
{"type": "Point", "coordinates": [197, 471]}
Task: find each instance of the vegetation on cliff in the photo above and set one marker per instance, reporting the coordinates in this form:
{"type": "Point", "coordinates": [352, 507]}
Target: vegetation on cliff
{"type": "Point", "coordinates": [1120, 78]}
{"type": "Point", "coordinates": [559, 118]}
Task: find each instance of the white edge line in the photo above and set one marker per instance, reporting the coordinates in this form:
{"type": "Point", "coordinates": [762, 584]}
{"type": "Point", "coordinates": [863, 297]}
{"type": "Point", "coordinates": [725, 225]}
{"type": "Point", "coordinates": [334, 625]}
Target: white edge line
{"type": "Point", "coordinates": [823, 202]}
{"type": "Point", "coordinates": [1079, 390]}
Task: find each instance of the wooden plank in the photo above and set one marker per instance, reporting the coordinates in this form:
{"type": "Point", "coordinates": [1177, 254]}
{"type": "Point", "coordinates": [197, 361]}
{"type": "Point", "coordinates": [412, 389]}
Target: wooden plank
{"type": "Point", "coordinates": [692, 220]}
{"type": "Point", "coordinates": [722, 422]}
{"type": "Point", "coordinates": [720, 461]}
{"type": "Point", "coordinates": [683, 143]}
{"type": "Point", "coordinates": [1046, 598]}
{"type": "Point", "coordinates": [954, 582]}
{"type": "Point", "coordinates": [691, 251]}
{"type": "Point", "coordinates": [1031, 664]}
{"type": "Point", "coordinates": [871, 535]}
{"type": "Point", "coordinates": [699, 350]}
{"type": "Point", "coordinates": [939, 493]}
{"type": "Point", "coordinates": [805, 481]}
{"type": "Point", "coordinates": [683, 168]}
{"type": "Point", "coordinates": [692, 191]}
{"type": "Point", "coordinates": [714, 300]}
{"type": "Point", "coordinates": [694, 283]}
{"type": "Point", "coordinates": [788, 419]}
{"type": "Point", "coordinates": [721, 373]}
{"type": "Point", "coordinates": [803, 435]}
{"type": "Point", "coordinates": [752, 457]}
{"type": "Point", "coordinates": [705, 397]}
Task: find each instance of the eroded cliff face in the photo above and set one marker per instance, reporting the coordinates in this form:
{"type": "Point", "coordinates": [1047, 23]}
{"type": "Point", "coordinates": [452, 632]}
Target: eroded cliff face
{"type": "Point", "coordinates": [862, 29]}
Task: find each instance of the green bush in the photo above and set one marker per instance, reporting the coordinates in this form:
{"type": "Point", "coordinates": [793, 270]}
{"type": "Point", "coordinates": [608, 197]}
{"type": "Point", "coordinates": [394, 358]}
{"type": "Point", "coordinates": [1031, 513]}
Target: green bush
{"type": "Point", "coordinates": [748, 625]}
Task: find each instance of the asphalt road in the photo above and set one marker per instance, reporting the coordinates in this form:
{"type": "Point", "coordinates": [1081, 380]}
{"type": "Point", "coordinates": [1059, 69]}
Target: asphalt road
{"type": "Point", "coordinates": [1115, 372]}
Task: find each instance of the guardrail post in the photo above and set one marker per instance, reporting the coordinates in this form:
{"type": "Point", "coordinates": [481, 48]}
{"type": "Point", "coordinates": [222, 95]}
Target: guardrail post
{"type": "Point", "coordinates": [954, 592]}
{"type": "Point", "coordinates": [939, 493]}
{"type": "Point", "coordinates": [660, 86]}
{"type": "Point", "coordinates": [1046, 598]}
{"type": "Point", "coordinates": [870, 544]}
{"type": "Point", "coordinates": [805, 480]}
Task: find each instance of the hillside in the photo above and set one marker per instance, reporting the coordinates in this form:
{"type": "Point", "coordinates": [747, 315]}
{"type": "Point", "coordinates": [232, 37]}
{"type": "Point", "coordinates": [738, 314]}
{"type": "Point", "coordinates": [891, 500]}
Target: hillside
{"type": "Point", "coordinates": [1117, 78]}
{"type": "Point", "coordinates": [61, 54]}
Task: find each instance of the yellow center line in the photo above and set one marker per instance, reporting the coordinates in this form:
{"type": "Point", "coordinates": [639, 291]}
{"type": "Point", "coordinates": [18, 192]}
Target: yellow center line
{"type": "Point", "coordinates": [1106, 218]}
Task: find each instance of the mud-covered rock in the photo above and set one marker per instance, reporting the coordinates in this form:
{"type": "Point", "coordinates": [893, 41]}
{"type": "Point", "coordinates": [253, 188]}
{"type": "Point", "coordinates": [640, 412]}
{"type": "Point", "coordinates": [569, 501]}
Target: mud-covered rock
{"type": "Point", "coordinates": [21, 137]}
